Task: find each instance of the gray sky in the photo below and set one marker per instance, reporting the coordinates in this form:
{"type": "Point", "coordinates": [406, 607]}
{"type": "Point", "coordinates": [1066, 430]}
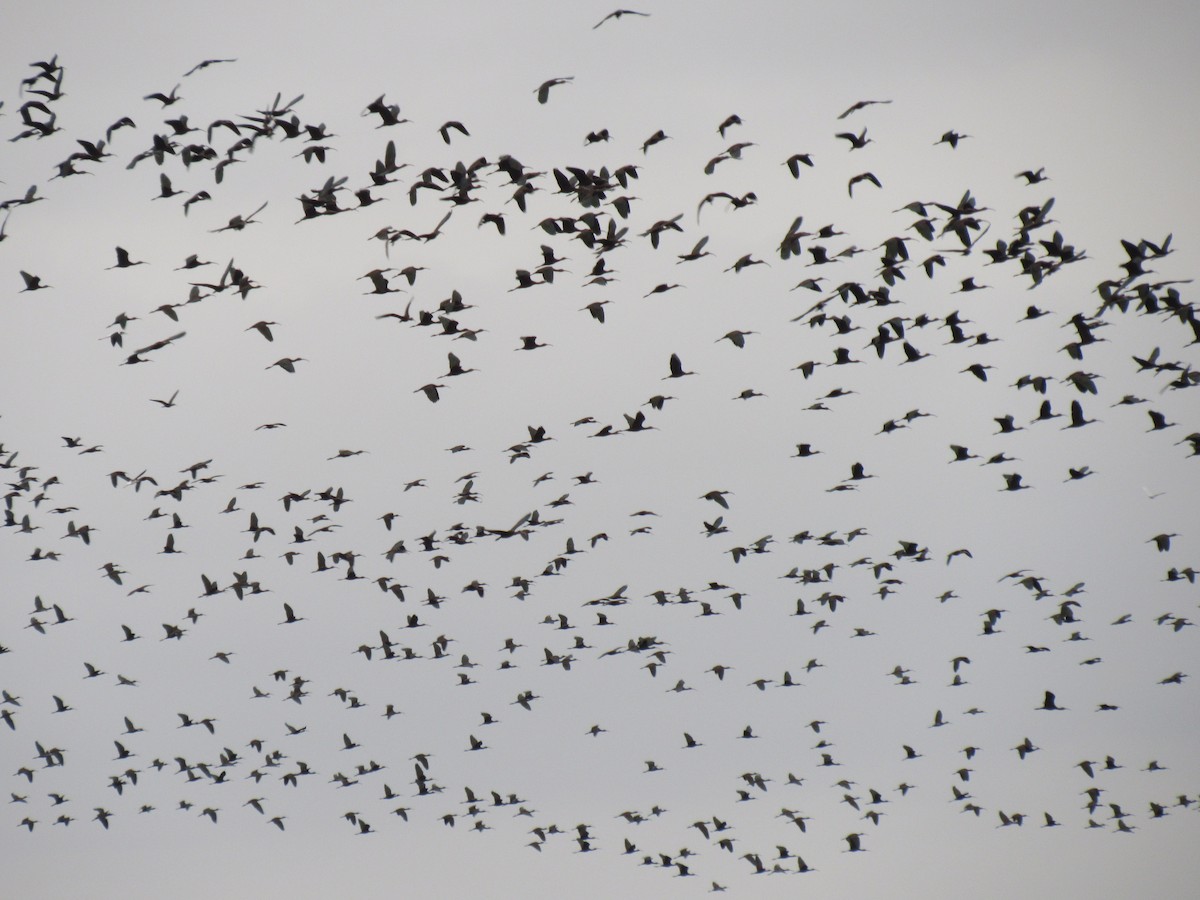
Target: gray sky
{"type": "Point", "coordinates": [1097, 95]}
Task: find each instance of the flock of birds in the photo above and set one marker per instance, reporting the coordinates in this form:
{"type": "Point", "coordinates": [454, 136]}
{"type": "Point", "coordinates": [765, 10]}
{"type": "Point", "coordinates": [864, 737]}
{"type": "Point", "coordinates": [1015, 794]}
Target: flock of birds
{"type": "Point", "coordinates": [418, 588]}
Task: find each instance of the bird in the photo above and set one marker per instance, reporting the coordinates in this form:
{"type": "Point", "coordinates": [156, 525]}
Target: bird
{"type": "Point", "coordinates": [861, 104]}
{"type": "Point", "coordinates": [430, 391]}
{"type": "Point", "coordinates": [238, 223]}
{"type": "Point", "coordinates": [165, 99]}
{"type": "Point", "coordinates": [796, 160]}
{"type": "Point", "coordinates": [204, 64]}
{"type": "Point", "coordinates": [32, 283]}
{"type": "Point", "coordinates": [952, 138]}
{"type": "Point", "coordinates": [858, 179]}
{"type": "Point", "coordinates": [617, 14]}
{"type": "Point", "coordinates": [737, 338]}
{"type": "Point", "coordinates": [1049, 702]}
{"type": "Point", "coordinates": [123, 260]}
{"type": "Point", "coordinates": [1162, 542]}
{"type": "Point", "coordinates": [263, 328]}
{"type": "Point", "coordinates": [446, 128]}
{"type": "Point", "coordinates": [1158, 421]}
{"type": "Point", "coordinates": [543, 90]}
{"type": "Point", "coordinates": [856, 141]}
{"type": "Point", "coordinates": [1078, 420]}
{"type": "Point", "coordinates": [655, 138]}
{"type": "Point", "coordinates": [676, 368]}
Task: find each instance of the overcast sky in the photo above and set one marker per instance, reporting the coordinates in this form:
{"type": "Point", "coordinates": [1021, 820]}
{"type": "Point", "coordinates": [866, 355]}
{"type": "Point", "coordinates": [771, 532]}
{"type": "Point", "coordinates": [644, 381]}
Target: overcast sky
{"type": "Point", "coordinates": [687, 531]}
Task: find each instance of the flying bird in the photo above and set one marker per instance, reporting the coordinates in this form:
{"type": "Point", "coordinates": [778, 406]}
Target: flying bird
{"type": "Point", "coordinates": [543, 90]}
{"type": "Point", "coordinates": [618, 14]}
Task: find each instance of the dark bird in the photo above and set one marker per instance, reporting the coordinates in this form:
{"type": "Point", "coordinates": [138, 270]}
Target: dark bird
{"type": "Point", "coordinates": [952, 138]}
{"type": "Point", "coordinates": [1049, 703]}
{"type": "Point", "coordinates": [263, 328]}
{"type": "Point", "coordinates": [858, 179]}
{"type": "Point", "coordinates": [165, 99]}
{"type": "Point", "coordinates": [445, 129]}
{"type": "Point", "coordinates": [1012, 482]}
{"type": "Point", "coordinates": [32, 283]}
{"type": "Point", "coordinates": [794, 162]}
{"type": "Point", "coordinates": [123, 260]}
{"type": "Point", "coordinates": [1078, 420]}
{"type": "Point", "coordinates": [238, 223]}
{"type": "Point", "coordinates": [1158, 421]}
{"type": "Point", "coordinates": [200, 66]}
{"type": "Point", "coordinates": [861, 104]}
{"type": "Point", "coordinates": [617, 14]}
{"type": "Point", "coordinates": [1162, 542]}
{"type": "Point", "coordinates": [857, 141]}
{"type": "Point", "coordinates": [655, 138]}
{"type": "Point", "coordinates": [543, 90]}
{"type": "Point", "coordinates": [430, 391]}
{"type": "Point", "coordinates": [677, 370]}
